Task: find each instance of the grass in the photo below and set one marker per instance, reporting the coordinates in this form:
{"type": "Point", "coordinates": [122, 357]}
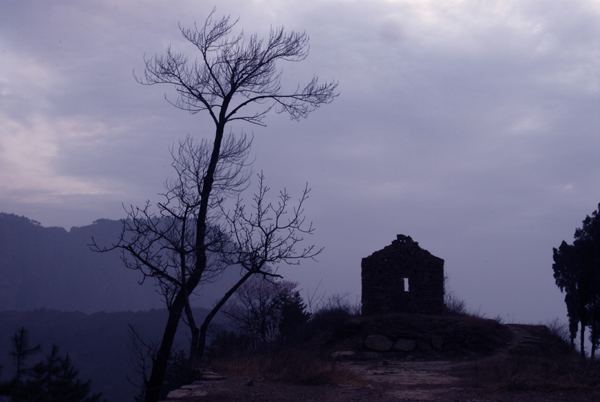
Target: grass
{"type": "Point", "coordinates": [556, 366]}
{"type": "Point", "coordinates": [551, 365]}
{"type": "Point", "coordinates": [299, 360]}
{"type": "Point", "coordinates": [527, 373]}
{"type": "Point", "coordinates": [294, 365]}
{"type": "Point", "coordinates": [543, 362]}
{"type": "Point", "coordinates": [456, 306]}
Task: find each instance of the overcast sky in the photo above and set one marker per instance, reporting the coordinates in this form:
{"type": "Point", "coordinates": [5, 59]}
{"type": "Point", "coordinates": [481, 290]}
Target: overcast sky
{"type": "Point", "coordinates": [472, 126]}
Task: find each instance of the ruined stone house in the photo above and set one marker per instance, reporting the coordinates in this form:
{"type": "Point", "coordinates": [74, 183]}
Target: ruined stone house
{"type": "Point", "coordinates": [402, 277]}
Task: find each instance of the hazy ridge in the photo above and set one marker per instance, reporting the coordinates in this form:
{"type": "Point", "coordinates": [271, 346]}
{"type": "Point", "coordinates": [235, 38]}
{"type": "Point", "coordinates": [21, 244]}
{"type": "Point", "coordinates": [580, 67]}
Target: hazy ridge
{"type": "Point", "coordinates": [53, 268]}
{"type": "Point", "coordinates": [52, 284]}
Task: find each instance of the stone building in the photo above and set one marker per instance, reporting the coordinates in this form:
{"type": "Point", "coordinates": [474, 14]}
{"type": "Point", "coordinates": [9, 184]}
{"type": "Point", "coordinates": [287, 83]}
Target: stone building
{"type": "Point", "coordinates": [402, 277]}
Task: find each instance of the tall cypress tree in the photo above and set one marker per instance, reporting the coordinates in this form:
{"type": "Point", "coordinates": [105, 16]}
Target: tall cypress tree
{"type": "Point", "coordinates": [577, 273]}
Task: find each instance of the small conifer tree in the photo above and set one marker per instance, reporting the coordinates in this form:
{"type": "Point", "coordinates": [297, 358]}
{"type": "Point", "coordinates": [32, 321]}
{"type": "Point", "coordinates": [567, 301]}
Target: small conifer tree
{"type": "Point", "coordinates": [51, 380]}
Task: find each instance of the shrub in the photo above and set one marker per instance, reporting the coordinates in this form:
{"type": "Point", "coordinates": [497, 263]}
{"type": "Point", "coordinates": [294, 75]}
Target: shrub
{"type": "Point", "coordinates": [528, 372]}
{"type": "Point", "coordinates": [292, 358]}
{"type": "Point", "coordinates": [454, 305]}
{"type": "Point", "coordinates": [560, 330]}
{"type": "Point", "coordinates": [267, 311]}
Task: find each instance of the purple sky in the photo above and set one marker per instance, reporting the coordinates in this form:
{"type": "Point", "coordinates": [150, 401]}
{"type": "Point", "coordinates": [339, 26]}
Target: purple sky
{"type": "Point", "coordinates": [472, 126]}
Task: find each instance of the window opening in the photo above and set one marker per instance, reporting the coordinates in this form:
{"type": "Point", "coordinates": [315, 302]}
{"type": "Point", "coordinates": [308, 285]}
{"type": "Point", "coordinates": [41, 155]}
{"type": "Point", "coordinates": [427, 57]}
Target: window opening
{"type": "Point", "coordinates": [406, 284]}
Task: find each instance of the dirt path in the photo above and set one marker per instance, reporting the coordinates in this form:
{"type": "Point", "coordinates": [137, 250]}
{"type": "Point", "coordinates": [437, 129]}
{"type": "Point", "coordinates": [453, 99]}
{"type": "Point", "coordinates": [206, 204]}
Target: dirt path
{"type": "Point", "coordinates": [400, 380]}
{"type": "Point", "coordinates": [380, 380]}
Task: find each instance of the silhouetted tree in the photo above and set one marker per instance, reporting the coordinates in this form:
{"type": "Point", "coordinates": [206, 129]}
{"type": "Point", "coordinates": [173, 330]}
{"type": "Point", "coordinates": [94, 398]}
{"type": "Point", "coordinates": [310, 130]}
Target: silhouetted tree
{"type": "Point", "coordinates": [235, 78]}
{"type": "Point", "coordinates": [51, 380]}
{"type": "Point", "coordinates": [267, 313]}
{"type": "Point", "coordinates": [256, 309]}
{"type": "Point", "coordinates": [293, 318]}
{"type": "Point", "coordinates": [251, 237]}
{"type": "Point", "coordinates": [568, 272]}
{"type": "Point", "coordinates": [577, 273]}
{"type": "Point", "coordinates": [21, 352]}
{"type": "Point", "coordinates": [587, 242]}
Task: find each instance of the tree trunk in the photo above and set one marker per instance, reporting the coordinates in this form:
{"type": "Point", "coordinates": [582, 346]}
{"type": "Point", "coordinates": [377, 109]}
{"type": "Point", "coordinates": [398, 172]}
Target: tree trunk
{"type": "Point", "coordinates": [161, 360]}
{"type": "Point", "coordinates": [213, 312]}
{"type": "Point", "coordinates": [593, 338]}
{"type": "Point", "coordinates": [582, 340]}
{"type": "Point", "coordinates": [593, 325]}
{"type": "Point", "coordinates": [195, 333]}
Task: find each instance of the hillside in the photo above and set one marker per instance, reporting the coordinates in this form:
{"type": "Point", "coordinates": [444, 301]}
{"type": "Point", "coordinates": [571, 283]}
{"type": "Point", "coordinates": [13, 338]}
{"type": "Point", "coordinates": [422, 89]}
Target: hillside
{"type": "Point", "coordinates": [414, 358]}
{"type": "Point", "coordinates": [55, 269]}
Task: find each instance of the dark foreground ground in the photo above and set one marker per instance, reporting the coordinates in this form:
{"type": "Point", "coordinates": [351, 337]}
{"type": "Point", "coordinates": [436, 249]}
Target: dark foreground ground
{"type": "Point", "coordinates": [403, 382]}
{"type": "Point", "coordinates": [524, 363]}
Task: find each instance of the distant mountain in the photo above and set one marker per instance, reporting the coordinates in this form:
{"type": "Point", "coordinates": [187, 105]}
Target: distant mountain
{"type": "Point", "coordinates": [54, 269]}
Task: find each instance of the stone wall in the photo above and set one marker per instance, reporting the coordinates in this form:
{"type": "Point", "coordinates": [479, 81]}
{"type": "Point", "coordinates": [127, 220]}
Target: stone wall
{"type": "Point", "coordinates": [402, 277]}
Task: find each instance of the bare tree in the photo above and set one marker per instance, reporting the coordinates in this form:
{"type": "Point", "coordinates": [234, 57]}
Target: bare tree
{"type": "Point", "coordinates": [268, 234]}
{"type": "Point", "coordinates": [256, 309]}
{"type": "Point", "coordinates": [234, 78]}
{"type": "Point", "coordinates": [252, 237]}
{"type": "Point", "coordinates": [233, 73]}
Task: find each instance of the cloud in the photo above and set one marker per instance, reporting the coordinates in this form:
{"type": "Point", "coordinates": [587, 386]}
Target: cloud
{"type": "Point", "coordinates": [472, 126]}
{"type": "Point", "coordinates": [27, 155]}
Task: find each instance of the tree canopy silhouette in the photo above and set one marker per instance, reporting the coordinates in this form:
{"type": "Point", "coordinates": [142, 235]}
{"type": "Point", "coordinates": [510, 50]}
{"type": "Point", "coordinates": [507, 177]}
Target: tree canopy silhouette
{"type": "Point", "coordinates": [53, 379]}
{"type": "Point", "coordinates": [577, 274]}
